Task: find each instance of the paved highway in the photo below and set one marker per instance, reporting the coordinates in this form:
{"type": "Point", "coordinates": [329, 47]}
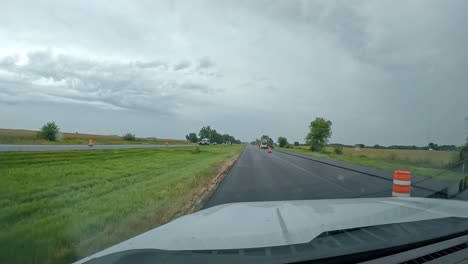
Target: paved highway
{"type": "Point", "coordinates": [261, 176]}
{"type": "Point", "coordinates": [4, 147]}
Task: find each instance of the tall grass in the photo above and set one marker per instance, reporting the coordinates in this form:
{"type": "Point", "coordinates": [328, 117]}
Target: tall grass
{"type": "Point", "coordinates": [57, 207]}
{"type": "Point", "coordinates": [419, 162]}
{"type": "Point", "coordinates": [435, 159]}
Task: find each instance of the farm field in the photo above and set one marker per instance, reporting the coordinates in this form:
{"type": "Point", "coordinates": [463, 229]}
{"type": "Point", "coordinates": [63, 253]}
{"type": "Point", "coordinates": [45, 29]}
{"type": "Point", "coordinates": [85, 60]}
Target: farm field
{"type": "Point", "coordinates": [420, 162]}
{"type": "Point", "coordinates": [18, 136]}
{"type": "Point", "coordinates": [56, 207]}
{"type": "Point", "coordinates": [424, 157]}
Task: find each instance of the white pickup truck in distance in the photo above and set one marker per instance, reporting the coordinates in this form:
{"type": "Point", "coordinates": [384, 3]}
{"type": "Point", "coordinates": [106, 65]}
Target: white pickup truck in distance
{"type": "Point", "coordinates": [204, 141]}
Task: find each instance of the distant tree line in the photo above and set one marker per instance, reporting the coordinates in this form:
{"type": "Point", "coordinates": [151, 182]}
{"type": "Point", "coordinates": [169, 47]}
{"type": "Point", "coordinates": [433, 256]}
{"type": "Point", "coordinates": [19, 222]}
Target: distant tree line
{"type": "Point", "coordinates": [320, 133]}
{"type": "Point", "coordinates": [212, 135]}
{"type": "Point", "coordinates": [282, 141]}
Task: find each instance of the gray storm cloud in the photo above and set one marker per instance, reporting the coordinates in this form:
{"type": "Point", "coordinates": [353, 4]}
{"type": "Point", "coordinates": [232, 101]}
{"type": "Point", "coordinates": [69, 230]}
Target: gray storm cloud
{"type": "Point", "coordinates": [182, 65]}
{"type": "Point", "coordinates": [205, 63]}
{"type": "Point", "coordinates": [384, 73]}
{"type": "Point", "coordinates": [49, 77]}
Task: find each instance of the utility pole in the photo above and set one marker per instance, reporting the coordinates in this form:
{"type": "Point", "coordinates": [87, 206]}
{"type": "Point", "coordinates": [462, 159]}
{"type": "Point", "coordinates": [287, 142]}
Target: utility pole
{"type": "Point", "coordinates": [466, 127]}
{"type": "Point", "coordinates": [465, 148]}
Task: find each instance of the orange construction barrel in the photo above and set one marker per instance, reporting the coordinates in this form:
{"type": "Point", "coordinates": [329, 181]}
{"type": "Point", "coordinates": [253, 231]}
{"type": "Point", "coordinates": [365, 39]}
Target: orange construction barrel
{"type": "Point", "coordinates": [401, 183]}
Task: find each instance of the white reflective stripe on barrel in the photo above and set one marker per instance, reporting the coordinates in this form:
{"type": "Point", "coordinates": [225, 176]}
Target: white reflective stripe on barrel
{"type": "Point", "coordinates": [397, 182]}
{"type": "Point", "coordinates": [395, 194]}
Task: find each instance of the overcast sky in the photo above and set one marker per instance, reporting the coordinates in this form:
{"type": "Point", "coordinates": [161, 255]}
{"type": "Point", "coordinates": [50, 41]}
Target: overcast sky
{"type": "Point", "coordinates": [384, 72]}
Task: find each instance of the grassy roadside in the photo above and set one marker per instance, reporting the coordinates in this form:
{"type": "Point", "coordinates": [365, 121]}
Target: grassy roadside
{"type": "Point", "coordinates": [56, 207]}
{"type": "Point", "coordinates": [380, 163]}
{"type": "Point", "coordinates": [18, 136]}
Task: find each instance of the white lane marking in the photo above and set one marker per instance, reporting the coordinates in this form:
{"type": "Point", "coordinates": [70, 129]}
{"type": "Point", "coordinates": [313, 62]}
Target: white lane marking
{"type": "Point", "coordinates": [309, 172]}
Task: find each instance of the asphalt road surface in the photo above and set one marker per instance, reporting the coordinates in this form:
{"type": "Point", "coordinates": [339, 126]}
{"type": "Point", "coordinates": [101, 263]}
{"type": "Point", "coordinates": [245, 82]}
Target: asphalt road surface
{"type": "Point", "coordinates": [261, 176]}
{"type": "Point", "coordinates": [4, 147]}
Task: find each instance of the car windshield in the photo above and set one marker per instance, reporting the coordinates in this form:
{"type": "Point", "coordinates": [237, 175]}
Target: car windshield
{"type": "Point", "coordinates": [210, 128]}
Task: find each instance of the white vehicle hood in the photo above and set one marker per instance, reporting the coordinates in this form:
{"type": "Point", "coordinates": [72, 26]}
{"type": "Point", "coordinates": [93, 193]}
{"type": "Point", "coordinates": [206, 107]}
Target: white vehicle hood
{"type": "Point", "coordinates": [267, 224]}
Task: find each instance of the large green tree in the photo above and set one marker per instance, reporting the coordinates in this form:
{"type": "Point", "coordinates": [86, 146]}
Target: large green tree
{"type": "Point", "coordinates": [129, 137]}
{"type": "Point", "coordinates": [216, 137]}
{"type": "Point", "coordinates": [205, 132]}
{"type": "Point", "coordinates": [282, 141]}
{"type": "Point", "coordinates": [433, 146]}
{"type": "Point", "coordinates": [320, 133]}
{"type": "Point", "coordinates": [229, 138]}
{"type": "Point", "coordinates": [192, 137]}
{"type": "Point", "coordinates": [49, 131]}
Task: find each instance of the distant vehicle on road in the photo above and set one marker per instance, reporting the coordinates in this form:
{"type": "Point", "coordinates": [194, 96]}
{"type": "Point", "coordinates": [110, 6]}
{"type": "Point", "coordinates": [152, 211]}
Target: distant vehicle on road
{"type": "Point", "coordinates": [204, 141]}
{"type": "Point", "coordinates": [264, 144]}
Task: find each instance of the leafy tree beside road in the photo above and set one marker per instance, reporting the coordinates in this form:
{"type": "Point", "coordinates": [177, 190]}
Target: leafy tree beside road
{"type": "Point", "coordinates": [205, 132]}
{"type": "Point", "coordinates": [433, 146]}
{"type": "Point", "coordinates": [129, 137]}
{"type": "Point", "coordinates": [49, 131]}
{"type": "Point", "coordinates": [282, 142]}
{"type": "Point", "coordinates": [320, 133]}
{"type": "Point", "coordinates": [214, 136]}
{"type": "Point", "coordinates": [192, 137]}
{"type": "Point", "coordinates": [229, 138]}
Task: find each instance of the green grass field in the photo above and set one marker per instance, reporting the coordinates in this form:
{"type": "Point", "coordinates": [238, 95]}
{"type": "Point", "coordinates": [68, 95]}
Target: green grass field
{"type": "Point", "coordinates": [18, 136]}
{"type": "Point", "coordinates": [434, 159]}
{"type": "Point", "coordinates": [56, 207]}
{"type": "Point", "coordinates": [419, 162]}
